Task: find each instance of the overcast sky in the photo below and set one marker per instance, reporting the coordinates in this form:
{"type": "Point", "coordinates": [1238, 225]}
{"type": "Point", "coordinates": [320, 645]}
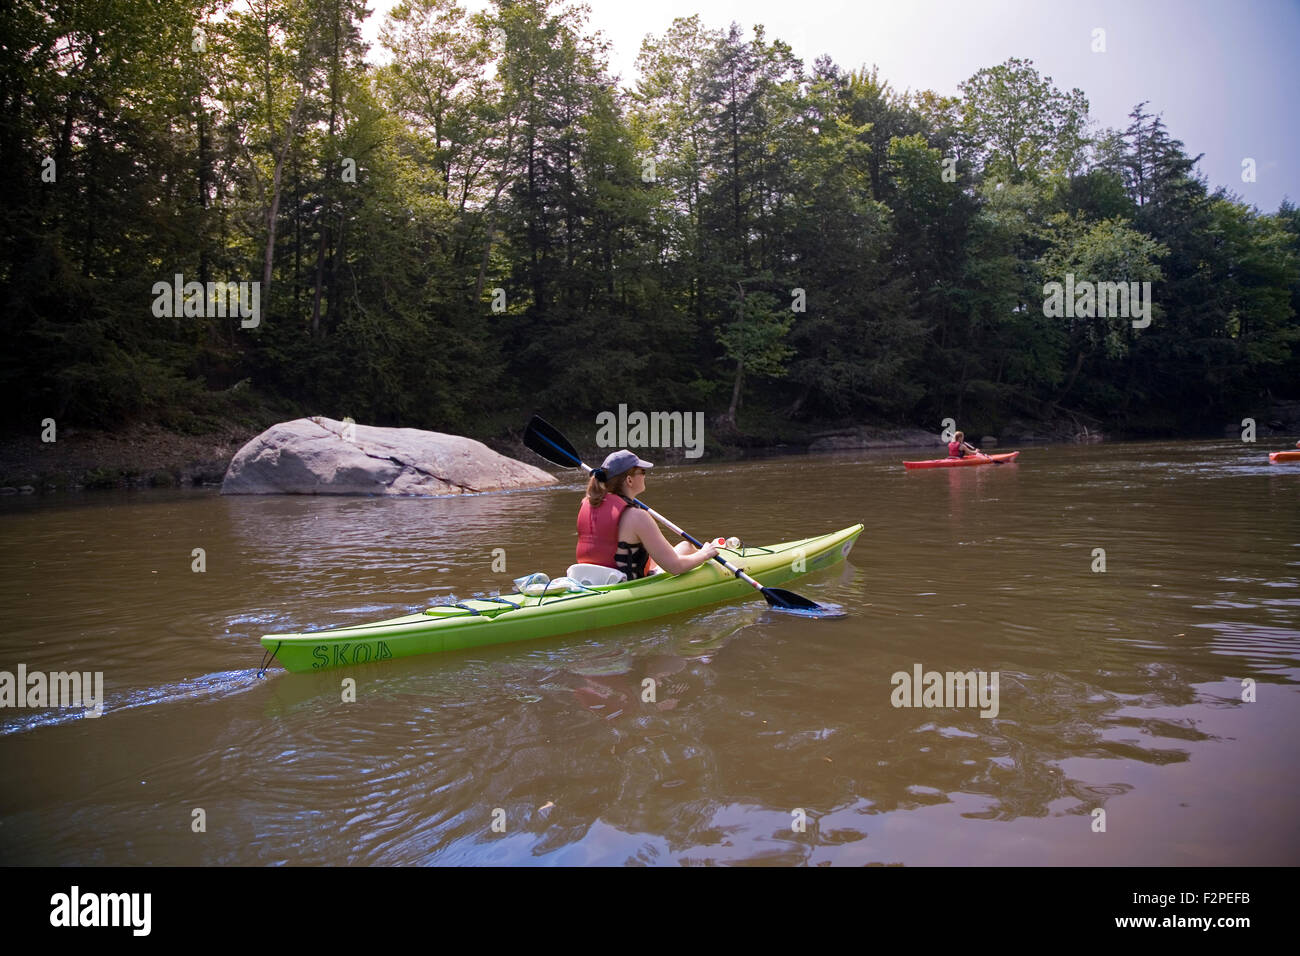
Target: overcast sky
{"type": "Point", "coordinates": [1223, 74]}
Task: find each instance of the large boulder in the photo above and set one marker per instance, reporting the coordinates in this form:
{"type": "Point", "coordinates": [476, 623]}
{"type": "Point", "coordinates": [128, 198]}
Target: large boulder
{"type": "Point", "coordinates": [321, 456]}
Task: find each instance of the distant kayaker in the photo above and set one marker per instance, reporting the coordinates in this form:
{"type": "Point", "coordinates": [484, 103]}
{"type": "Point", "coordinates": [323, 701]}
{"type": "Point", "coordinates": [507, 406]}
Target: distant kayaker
{"type": "Point", "coordinates": [613, 534]}
{"type": "Point", "coordinates": [960, 448]}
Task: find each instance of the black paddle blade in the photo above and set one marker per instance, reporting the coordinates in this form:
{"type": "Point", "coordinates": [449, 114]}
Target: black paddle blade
{"type": "Point", "coordinates": [547, 440]}
{"type": "Point", "coordinates": [783, 600]}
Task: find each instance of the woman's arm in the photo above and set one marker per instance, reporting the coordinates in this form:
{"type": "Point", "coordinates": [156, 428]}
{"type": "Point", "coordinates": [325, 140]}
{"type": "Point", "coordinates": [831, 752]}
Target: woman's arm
{"type": "Point", "coordinates": [636, 525]}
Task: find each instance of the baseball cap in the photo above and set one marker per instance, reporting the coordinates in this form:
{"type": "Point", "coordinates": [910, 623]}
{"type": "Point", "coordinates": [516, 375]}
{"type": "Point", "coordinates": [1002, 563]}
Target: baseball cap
{"type": "Point", "coordinates": [620, 461]}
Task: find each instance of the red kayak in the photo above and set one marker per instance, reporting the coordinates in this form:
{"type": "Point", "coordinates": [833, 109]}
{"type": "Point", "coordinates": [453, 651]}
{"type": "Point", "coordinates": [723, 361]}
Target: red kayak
{"type": "Point", "coordinates": [1276, 456]}
{"type": "Point", "coordinates": [962, 462]}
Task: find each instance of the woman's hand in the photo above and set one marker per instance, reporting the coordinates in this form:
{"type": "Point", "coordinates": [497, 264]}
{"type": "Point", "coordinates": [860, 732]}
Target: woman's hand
{"type": "Point", "coordinates": [706, 553]}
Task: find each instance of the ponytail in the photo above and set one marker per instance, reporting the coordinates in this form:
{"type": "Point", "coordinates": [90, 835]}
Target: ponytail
{"type": "Point", "coordinates": [596, 489]}
{"type": "Point", "coordinates": [600, 484]}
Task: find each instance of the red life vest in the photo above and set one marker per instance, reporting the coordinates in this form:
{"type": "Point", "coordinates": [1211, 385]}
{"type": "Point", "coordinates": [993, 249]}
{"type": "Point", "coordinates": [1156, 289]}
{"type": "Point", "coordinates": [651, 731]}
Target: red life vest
{"type": "Point", "coordinates": [598, 531]}
{"type": "Point", "coordinates": [954, 449]}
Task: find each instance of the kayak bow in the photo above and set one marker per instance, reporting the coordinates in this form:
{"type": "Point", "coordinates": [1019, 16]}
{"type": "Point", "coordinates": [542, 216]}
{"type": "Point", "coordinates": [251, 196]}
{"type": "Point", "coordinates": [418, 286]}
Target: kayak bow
{"type": "Point", "coordinates": [517, 617]}
{"type": "Point", "coordinates": [1274, 457]}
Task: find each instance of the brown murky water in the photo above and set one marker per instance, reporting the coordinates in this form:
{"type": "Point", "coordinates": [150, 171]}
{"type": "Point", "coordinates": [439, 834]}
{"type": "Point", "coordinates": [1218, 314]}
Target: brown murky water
{"type": "Point", "coordinates": [1118, 691]}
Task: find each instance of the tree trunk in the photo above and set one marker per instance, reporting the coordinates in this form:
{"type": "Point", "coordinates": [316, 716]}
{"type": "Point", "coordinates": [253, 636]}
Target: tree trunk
{"type": "Point", "coordinates": [320, 275]}
{"type": "Point", "coordinates": [337, 255]}
{"type": "Point", "coordinates": [297, 235]}
{"type": "Point", "coordinates": [273, 213]}
{"type": "Point", "coordinates": [203, 176]}
{"type": "Point", "coordinates": [322, 221]}
{"type": "Point", "coordinates": [492, 208]}
{"type": "Point", "coordinates": [1074, 374]}
{"type": "Point", "coordinates": [735, 394]}
{"type": "Point", "coordinates": [735, 180]}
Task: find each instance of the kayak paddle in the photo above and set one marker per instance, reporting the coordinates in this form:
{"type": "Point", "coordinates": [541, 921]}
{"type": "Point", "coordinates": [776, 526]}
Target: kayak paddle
{"type": "Point", "coordinates": [547, 441]}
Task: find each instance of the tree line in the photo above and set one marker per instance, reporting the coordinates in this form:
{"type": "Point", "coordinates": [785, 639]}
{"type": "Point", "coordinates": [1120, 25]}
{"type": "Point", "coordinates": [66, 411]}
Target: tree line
{"type": "Point", "coordinates": [482, 222]}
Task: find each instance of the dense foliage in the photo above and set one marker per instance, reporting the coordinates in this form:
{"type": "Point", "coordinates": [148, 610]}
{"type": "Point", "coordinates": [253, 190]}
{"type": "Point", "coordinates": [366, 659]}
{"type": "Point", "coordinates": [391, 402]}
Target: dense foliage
{"type": "Point", "coordinates": [487, 224]}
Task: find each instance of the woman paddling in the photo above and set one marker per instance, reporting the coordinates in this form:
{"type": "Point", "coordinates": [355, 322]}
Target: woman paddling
{"type": "Point", "coordinates": [960, 448]}
{"type": "Point", "coordinates": [613, 534]}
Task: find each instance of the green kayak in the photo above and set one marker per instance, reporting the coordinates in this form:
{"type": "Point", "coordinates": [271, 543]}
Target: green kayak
{"type": "Point", "coordinates": [516, 617]}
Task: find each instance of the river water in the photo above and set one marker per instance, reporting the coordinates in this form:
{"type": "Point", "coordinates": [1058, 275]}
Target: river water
{"type": "Point", "coordinates": [1147, 713]}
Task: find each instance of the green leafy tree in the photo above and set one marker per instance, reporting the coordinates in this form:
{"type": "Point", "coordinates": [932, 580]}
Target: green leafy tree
{"type": "Point", "coordinates": [1018, 126]}
{"type": "Point", "coordinates": [1109, 251]}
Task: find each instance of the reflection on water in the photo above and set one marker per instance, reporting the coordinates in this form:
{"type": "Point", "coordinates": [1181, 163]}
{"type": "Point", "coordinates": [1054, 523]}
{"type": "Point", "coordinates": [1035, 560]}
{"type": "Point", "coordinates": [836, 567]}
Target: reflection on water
{"type": "Point", "coordinates": [1162, 690]}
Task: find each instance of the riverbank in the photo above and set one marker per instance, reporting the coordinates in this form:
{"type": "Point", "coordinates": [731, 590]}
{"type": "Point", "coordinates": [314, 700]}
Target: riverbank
{"type": "Point", "coordinates": [152, 456]}
{"type": "Point", "coordinates": [147, 456]}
